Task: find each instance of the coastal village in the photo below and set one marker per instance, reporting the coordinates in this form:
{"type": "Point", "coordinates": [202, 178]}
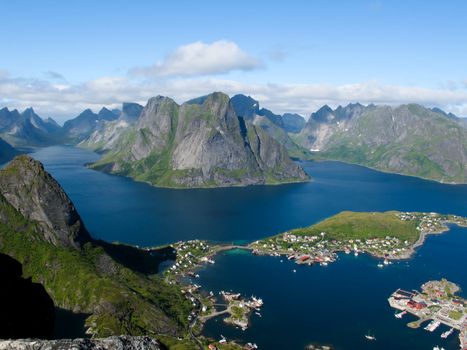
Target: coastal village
{"type": "Point", "coordinates": [437, 304]}
{"type": "Point", "coordinates": [191, 255]}
{"type": "Point", "coordinates": [318, 248]}
{"type": "Point", "coordinates": [321, 248]}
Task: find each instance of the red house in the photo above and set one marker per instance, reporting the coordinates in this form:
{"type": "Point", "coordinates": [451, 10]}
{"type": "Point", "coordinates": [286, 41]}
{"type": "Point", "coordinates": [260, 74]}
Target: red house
{"type": "Point", "coordinates": [416, 305]}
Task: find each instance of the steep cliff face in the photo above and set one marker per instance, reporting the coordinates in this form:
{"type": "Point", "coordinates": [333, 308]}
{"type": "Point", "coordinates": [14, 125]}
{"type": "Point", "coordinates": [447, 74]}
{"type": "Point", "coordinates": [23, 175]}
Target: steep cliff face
{"type": "Point", "coordinates": [409, 139]}
{"type": "Point", "coordinates": [116, 285]}
{"type": "Point", "coordinates": [202, 143]}
{"type": "Point", "coordinates": [276, 126]}
{"type": "Point", "coordinates": [38, 197]}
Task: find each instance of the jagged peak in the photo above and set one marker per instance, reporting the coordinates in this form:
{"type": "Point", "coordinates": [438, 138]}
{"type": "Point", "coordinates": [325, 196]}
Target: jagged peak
{"type": "Point", "coordinates": [32, 191]}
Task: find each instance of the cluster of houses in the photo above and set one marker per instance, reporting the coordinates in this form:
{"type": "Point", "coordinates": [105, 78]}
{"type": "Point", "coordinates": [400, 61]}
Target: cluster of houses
{"type": "Point", "coordinates": [432, 222]}
{"type": "Point", "coordinates": [437, 302]}
{"type": "Point", "coordinates": [310, 249]}
{"type": "Point", "coordinates": [189, 255]}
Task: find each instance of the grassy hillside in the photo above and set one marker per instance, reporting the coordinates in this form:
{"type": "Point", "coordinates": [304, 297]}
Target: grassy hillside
{"type": "Point", "coordinates": [118, 299]}
{"type": "Point", "coordinates": [362, 225]}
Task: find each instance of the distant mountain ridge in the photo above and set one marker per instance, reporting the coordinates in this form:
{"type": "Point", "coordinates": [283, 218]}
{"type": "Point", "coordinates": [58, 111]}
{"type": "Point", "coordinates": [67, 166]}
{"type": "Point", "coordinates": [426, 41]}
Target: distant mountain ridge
{"type": "Point", "coordinates": [201, 143]}
{"type": "Point", "coordinates": [408, 139]}
{"type": "Point", "coordinates": [105, 134]}
{"type": "Point", "coordinates": [27, 129]}
{"type": "Point", "coordinates": [86, 122]}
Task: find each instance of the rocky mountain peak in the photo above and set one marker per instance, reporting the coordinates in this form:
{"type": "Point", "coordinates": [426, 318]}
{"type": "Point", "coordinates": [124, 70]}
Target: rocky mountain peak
{"type": "Point", "coordinates": [38, 197]}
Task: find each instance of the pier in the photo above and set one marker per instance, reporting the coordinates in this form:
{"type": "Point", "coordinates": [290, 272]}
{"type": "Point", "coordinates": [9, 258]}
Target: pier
{"type": "Point", "coordinates": [436, 303]}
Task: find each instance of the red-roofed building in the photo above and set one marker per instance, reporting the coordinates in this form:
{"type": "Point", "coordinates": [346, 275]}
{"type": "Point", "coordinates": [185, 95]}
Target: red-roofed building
{"type": "Point", "coordinates": [416, 305]}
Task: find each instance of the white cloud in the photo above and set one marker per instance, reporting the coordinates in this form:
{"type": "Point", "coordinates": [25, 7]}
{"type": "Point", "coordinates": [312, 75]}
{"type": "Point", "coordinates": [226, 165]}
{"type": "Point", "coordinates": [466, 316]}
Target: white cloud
{"type": "Point", "coordinates": [199, 58]}
{"type": "Point", "coordinates": [63, 101]}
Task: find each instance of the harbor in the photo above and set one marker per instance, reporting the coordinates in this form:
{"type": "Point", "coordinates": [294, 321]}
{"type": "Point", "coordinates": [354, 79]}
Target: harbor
{"type": "Point", "coordinates": [436, 304]}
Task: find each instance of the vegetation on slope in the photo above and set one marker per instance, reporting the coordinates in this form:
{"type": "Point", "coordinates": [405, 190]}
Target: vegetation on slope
{"type": "Point", "coordinates": [118, 299]}
{"type": "Point", "coordinates": [363, 225]}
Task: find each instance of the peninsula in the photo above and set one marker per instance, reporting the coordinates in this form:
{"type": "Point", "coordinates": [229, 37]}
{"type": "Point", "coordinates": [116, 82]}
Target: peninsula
{"type": "Point", "coordinates": [388, 235]}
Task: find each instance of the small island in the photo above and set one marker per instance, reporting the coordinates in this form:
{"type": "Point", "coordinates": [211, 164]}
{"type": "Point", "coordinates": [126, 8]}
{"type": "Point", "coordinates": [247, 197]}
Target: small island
{"type": "Point", "coordinates": [389, 235]}
{"type": "Point", "coordinates": [437, 303]}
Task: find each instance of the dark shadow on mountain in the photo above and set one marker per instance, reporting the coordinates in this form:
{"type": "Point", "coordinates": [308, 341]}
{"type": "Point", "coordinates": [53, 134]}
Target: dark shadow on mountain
{"type": "Point", "coordinates": [144, 261]}
{"type": "Point", "coordinates": [26, 310]}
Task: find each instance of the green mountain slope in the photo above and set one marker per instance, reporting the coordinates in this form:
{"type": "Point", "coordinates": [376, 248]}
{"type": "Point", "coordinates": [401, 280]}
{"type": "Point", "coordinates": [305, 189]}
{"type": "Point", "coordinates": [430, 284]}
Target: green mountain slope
{"type": "Point", "coordinates": [409, 139]}
{"type": "Point", "coordinates": [116, 285]}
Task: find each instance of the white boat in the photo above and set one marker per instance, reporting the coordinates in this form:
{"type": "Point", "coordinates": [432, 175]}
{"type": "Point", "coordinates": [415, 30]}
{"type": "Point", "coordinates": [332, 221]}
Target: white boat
{"type": "Point", "coordinates": [400, 314]}
{"type": "Point", "coordinates": [380, 265]}
{"type": "Point", "coordinates": [432, 326]}
{"type": "Point", "coordinates": [446, 334]}
{"type": "Point", "coordinates": [294, 270]}
{"type": "Point", "coordinates": [370, 337]}
{"type": "Point", "coordinates": [355, 253]}
{"type": "Point", "coordinates": [386, 262]}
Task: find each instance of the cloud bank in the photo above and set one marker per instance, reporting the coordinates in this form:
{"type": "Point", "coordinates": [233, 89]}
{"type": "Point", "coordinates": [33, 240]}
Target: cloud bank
{"type": "Point", "coordinates": [199, 58]}
{"type": "Point", "coordinates": [63, 101]}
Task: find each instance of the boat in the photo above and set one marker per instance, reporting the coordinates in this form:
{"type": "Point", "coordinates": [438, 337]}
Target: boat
{"type": "Point", "coordinates": [400, 314]}
{"type": "Point", "coordinates": [324, 263]}
{"type": "Point", "coordinates": [380, 265]}
{"type": "Point", "coordinates": [446, 334]}
{"type": "Point", "coordinates": [369, 336]}
{"type": "Point", "coordinates": [294, 270]}
{"type": "Point", "coordinates": [355, 253]}
{"type": "Point", "coordinates": [386, 262]}
{"type": "Point", "coordinates": [432, 326]}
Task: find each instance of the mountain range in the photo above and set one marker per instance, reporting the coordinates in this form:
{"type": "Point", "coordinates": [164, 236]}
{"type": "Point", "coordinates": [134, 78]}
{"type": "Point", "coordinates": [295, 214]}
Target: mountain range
{"type": "Point", "coordinates": [27, 129]}
{"type": "Point", "coordinates": [193, 146]}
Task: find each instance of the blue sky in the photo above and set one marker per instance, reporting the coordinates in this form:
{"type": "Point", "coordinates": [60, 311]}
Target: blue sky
{"type": "Point", "coordinates": [63, 56]}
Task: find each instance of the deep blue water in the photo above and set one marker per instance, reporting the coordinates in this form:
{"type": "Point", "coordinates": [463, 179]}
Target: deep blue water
{"type": "Point", "coordinates": [117, 208]}
{"type": "Point", "coordinates": [334, 305]}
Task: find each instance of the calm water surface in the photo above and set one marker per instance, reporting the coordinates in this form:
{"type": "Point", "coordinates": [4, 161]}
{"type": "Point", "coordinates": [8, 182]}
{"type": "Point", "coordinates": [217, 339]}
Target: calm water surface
{"type": "Point", "coordinates": [334, 305]}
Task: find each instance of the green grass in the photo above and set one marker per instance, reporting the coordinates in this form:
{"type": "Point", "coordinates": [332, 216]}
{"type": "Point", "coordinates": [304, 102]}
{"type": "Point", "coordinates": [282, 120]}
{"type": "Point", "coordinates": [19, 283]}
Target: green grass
{"type": "Point", "coordinates": [87, 280]}
{"type": "Point", "coordinates": [363, 225]}
{"type": "Point", "coordinates": [455, 315]}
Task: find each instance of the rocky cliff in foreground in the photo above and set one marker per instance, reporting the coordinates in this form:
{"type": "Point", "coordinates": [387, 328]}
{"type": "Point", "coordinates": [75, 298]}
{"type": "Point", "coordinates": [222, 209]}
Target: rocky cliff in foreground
{"type": "Point", "coordinates": [38, 197]}
{"type": "Point", "coordinates": [116, 286]}
{"type": "Point", "coordinates": [201, 143]}
{"type": "Point", "coordinates": [110, 343]}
